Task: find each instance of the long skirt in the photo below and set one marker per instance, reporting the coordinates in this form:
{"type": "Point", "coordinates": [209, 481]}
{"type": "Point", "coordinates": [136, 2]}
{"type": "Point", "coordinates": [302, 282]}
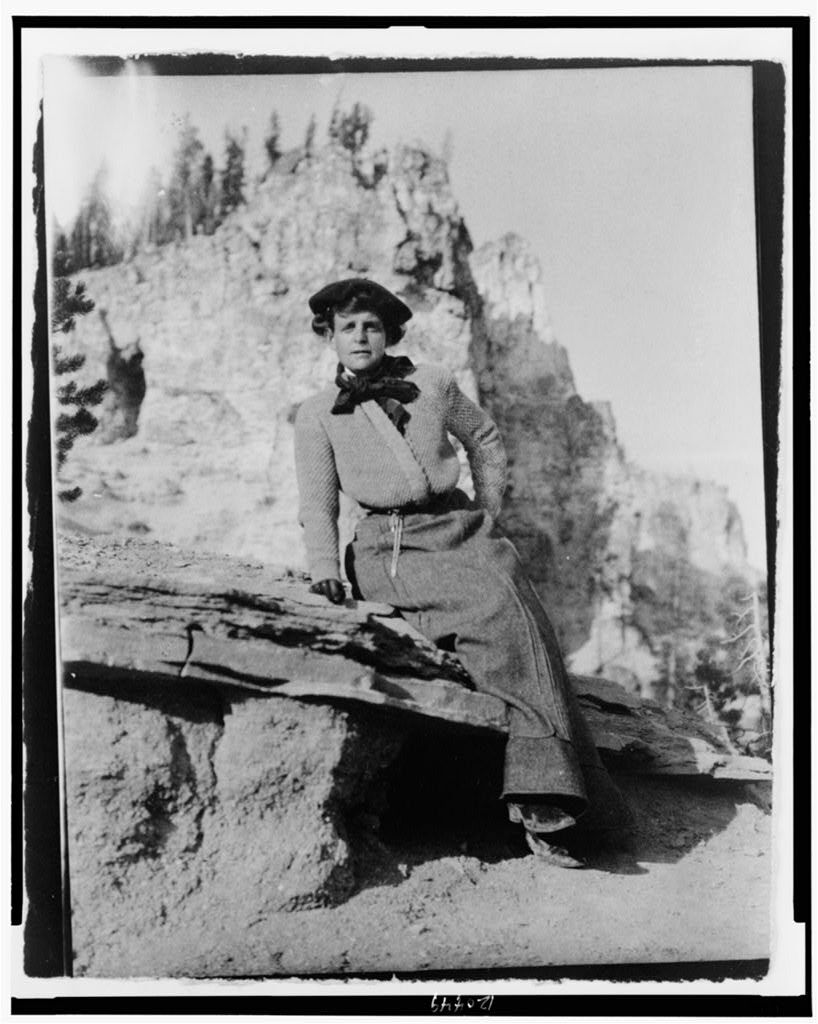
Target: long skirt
{"type": "Point", "coordinates": [459, 582]}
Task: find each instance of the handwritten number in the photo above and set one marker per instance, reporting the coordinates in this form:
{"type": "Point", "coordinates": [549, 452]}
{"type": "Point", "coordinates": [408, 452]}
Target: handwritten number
{"type": "Point", "coordinates": [441, 1004]}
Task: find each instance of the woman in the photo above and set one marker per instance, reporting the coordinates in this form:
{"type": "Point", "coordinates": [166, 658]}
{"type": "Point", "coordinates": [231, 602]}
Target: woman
{"type": "Point", "coordinates": [379, 433]}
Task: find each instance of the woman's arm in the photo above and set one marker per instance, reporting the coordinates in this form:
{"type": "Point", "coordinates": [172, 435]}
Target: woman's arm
{"type": "Point", "coordinates": [478, 434]}
{"type": "Point", "coordinates": [317, 495]}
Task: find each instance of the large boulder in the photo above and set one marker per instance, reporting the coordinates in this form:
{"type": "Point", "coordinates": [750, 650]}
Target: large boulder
{"type": "Point", "coordinates": [185, 809]}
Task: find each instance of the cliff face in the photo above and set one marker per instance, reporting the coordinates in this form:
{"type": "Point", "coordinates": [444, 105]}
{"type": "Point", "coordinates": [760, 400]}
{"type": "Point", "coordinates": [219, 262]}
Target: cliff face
{"type": "Point", "coordinates": [228, 355]}
{"type": "Point", "coordinates": [627, 561]}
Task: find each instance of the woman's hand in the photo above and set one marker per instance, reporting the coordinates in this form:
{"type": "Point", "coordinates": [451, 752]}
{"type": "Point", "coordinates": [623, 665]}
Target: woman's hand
{"type": "Point", "coordinates": [332, 590]}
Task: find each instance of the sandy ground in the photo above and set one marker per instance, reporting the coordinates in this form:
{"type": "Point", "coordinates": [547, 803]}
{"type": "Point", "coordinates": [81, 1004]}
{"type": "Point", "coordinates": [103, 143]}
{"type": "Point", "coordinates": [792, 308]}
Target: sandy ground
{"type": "Point", "coordinates": [455, 889]}
{"type": "Point", "coordinates": [696, 889]}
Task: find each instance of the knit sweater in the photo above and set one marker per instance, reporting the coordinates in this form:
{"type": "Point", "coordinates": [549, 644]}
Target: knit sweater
{"type": "Point", "coordinates": [365, 456]}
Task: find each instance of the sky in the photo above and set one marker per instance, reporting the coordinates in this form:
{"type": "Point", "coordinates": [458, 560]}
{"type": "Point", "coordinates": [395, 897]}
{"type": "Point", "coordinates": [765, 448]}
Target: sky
{"type": "Point", "coordinates": [634, 187]}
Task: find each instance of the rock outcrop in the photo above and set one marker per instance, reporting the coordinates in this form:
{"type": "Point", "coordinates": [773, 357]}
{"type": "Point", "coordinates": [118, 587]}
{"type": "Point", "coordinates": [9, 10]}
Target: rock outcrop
{"type": "Point", "coordinates": [228, 738]}
{"type": "Point", "coordinates": [126, 384]}
{"type": "Point", "coordinates": [620, 556]}
{"type": "Point", "coordinates": [186, 807]}
{"type": "Point", "coordinates": [186, 633]}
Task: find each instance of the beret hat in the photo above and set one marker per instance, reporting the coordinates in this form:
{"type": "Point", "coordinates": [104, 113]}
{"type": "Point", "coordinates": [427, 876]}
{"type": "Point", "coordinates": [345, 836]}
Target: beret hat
{"type": "Point", "coordinates": [339, 293]}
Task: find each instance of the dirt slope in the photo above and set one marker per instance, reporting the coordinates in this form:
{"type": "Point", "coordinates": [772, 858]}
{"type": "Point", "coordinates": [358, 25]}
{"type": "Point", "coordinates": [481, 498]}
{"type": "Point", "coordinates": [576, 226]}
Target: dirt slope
{"type": "Point", "coordinates": [696, 890]}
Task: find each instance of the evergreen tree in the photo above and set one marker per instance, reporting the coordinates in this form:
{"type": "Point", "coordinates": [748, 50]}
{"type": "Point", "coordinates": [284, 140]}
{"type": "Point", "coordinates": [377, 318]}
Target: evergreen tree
{"type": "Point", "coordinates": [62, 261]}
{"type": "Point", "coordinates": [209, 215]}
{"type": "Point", "coordinates": [185, 187]}
{"type": "Point", "coordinates": [233, 174]}
{"type": "Point", "coordinates": [67, 303]}
{"type": "Point", "coordinates": [713, 685]}
{"type": "Point", "coordinates": [155, 228]}
{"type": "Point", "coordinates": [353, 128]}
{"type": "Point", "coordinates": [749, 654]}
{"type": "Point", "coordinates": [271, 142]}
{"type": "Point", "coordinates": [309, 138]}
{"type": "Point", "coordinates": [93, 242]}
{"type": "Point", "coordinates": [334, 127]}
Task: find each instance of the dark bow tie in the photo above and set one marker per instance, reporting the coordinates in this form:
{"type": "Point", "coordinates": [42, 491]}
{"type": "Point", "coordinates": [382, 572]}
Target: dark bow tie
{"type": "Point", "coordinates": [386, 386]}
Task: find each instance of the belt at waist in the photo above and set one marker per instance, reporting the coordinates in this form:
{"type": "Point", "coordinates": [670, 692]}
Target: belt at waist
{"type": "Point", "coordinates": [455, 499]}
{"type": "Point", "coordinates": [438, 503]}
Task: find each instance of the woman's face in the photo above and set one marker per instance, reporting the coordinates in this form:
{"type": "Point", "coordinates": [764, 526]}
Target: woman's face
{"type": "Point", "coordinates": [360, 340]}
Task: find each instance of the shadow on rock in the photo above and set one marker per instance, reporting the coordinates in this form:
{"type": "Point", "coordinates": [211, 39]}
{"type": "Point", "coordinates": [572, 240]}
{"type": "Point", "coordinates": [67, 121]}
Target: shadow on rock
{"type": "Point", "coordinates": [674, 816]}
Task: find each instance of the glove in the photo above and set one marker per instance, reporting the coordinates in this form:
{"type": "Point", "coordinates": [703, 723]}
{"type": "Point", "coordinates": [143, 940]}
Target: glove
{"type": "Point", "coordinates": [332, 590]}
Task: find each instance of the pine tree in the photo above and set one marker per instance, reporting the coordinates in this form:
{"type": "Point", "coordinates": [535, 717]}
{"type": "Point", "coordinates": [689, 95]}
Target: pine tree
{"type": "Point", "coordinates": [713, 686]}
{"type": "Point", "coordinates": [62, 261]}
{"type": "Point", "coordinates": [334, 127]}
{"type": "Point", "coordinates": [749, 651]}
{"type": "Point", "coordinates": [209, 216]}
{"type": "Point", "coordinates": [271, 142]}
{"type": "Point", "coordinates": [185, 187]}
{"type": "Point", "coordinates": [309, 137]}
{"type": "Point", "coordinates": [67, 304]}
{"type": "Point", "coordinates": [232, 175]}
{"type": "Point", "coordinates": [350, 129]}
{"type": "Point", "coordinates": [155, 215]}
{"type": "Point", "coordinates": [93, 242]}
{"type": "Point", "coordinates": [354, 128]}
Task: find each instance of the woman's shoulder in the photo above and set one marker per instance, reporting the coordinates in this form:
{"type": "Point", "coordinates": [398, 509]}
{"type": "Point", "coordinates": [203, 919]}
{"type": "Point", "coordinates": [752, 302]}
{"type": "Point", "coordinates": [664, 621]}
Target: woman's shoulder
{"type": "Point", "coordinates": [432, 375]}
{"type": "Point", "coordinates": [316, 406]}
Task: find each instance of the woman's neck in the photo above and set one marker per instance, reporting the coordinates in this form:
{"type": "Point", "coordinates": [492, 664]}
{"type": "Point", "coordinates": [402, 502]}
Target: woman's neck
{"type": "Point", "coordinates": [371, 371]}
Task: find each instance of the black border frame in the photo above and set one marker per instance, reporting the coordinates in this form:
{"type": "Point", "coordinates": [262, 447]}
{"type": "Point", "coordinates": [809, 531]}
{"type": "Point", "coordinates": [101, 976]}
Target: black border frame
{"type": "Point", "coordinates": [36, 856]}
